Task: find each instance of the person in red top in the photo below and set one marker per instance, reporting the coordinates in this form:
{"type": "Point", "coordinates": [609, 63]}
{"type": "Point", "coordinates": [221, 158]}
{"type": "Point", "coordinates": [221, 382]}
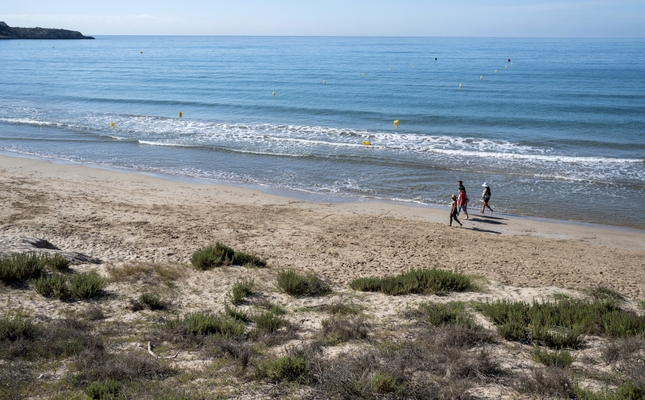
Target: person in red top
{"type": "Point", "coordinates": [462, 199]}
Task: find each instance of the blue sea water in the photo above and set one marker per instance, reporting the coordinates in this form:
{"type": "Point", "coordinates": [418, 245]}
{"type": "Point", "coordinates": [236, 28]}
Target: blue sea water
{"type": "Point", "coordinates": [558, 132]}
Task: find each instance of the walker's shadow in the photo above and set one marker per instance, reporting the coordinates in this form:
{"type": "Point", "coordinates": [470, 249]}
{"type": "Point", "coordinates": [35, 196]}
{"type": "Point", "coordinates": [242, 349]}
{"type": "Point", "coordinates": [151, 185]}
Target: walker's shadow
{"type": "Point", "coordinates": [488, 220]}
{"type": "Point", "coordinates": [484, 230]}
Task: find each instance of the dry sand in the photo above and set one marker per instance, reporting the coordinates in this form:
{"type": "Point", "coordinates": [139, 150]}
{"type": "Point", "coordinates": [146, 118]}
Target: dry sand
{"type": "Point", "coordinates": [118, 217]}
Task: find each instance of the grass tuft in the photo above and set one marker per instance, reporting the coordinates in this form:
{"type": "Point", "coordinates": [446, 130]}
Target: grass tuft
{"type": "Point", "coordinates": [236, 313]}
{"type": "Point", "coordinates": [200, 323]}
{"type": "Point", "coordinates": [604, 293]}
{"type": "Point", "coordinates": [339, 330]}
{"type": "Point", "coordinates": [287, 368]}
{"type": "Point", "coordinates": [222, 255]}
{"type": "Point", "coordinates": [109, 389]}
{"type": "Point", "coordinates": [561, 359]}
{"type": "Point", "coordinates": [241, 289]}
{"type": "Point", "coordinates": [58, 262]}
{"type": "Point", "coordinates": [21, 267]}
{"type": "Point", "coordinates": [14, 328]}
{"type": "Point", "coordinates": [152, 301]}
{"type": "Point", "coordinates": [429, 281]}
{"type": "Point", "coordinates": [299, 285]}
{"type": "Point", "coordinates": [561, 324]}
{"type": "Point", "coordinates": [52, 286]}
{"type": "Point", "coordinates": [268, 322]}
{"type": "Point", "coordinates": [86, 285]}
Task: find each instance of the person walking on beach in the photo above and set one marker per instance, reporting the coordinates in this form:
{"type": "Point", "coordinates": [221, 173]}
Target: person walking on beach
{"type": "Point", "coordinates": [453, 210]}
{"type": "Point", "coordinates": [462, 199]}
{"type": "Point", "coordinates": [486, 198]}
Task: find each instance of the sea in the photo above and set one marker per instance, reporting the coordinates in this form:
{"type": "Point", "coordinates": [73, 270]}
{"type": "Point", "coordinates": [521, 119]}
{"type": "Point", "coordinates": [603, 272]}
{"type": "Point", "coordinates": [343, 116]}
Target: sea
{"type": "Point", "coordinates": [555, 126]}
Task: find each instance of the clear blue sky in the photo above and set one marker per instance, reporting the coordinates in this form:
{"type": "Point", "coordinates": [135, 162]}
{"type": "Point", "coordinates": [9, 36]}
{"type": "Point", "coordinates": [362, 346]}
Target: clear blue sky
{"type": "Point", "coordinates": [519, 18]}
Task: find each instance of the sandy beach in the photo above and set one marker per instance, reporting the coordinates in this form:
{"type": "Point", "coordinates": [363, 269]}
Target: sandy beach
{"type": "Point", "coordinates": [118, 217]}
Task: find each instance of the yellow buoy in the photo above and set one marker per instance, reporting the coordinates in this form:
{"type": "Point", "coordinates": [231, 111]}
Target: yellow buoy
{"type": "Point", "coordinates": [481, 77]}
{"type": "Point", "coordinates": [272, 93]}
{"type": "Point", "coordinates": [495, 71]}
{"type": "Point", "coordinates": [460, 86]}
{"type": "Point", "coordinates": [505, 66]}
{"type": "Point", "coordinates": [396, 123]}
{"type": "Point", "coordinates": [180, 114]}
{"type": "Point", "coordinates": [324, 82]}
{"type": "Point", "coordinates": [366, 143]}
{"type": "Point", "coordinates": [111, 124]}
{"type": "Point", "coordinates": [363, 74]}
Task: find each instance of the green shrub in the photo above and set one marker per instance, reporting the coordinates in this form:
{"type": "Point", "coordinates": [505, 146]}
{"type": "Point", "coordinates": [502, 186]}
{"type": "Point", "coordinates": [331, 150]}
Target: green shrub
{"type": "Point", "coordinates": [298, 285]}
{"type": "Point", "coordinates": [416, 281]}
{"type": "Point", "coordinates": [107, 390]}
{"type": "Point", "coordinates": [339, 308]}
{"type": "Point", "coordinates": [560, 358]}
{"type": "Point", "coordinates": [384, 383]}
{"type": "Point", "coordinates": [268, 322]}
{"type": "Point", "coordinates": [213, 256]}
{"type": "Point", "coordinates": [604, 293]}
{"type": "Point", "coordinates": [339, 330]}
{"type": "Point", "coordinates": [52, 286]}
{"type": "Point", "coordinates": [21, 267]}
{"type": "Point", "coordinates": [200, 323]}
{"type": "Point", "coordinates": [561, 324]}
{"type": "Point", "coordinates": [642, 304]}
{"type": "Point", "coordinates": [626, 391]}
{"type": "Point", "coordinates": [451, 313]}
{"type": "Point", "coordinates": [14, 328]}
{"type": "Point", "coordinates": [221, 255]}
{"type": "Point", "coordinates": [241, 258]}
{"type": "Point", "coordinates": [241, 289]}
{"type": "Point", "coordinates": [58, 262]}
{"type": "Point", "coordinates": [86, 285]}
{"type": "Point", "coordinates": [236, 313]}
{"type": "Point", "coordinates": [152, 301]}
{"type": "Point", "coordinates": [288, 368]}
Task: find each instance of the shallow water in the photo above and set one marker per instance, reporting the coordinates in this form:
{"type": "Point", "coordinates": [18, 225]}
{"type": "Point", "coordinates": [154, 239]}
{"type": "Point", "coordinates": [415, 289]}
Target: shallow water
{"type": "Point", "coordinates": [558, 132]}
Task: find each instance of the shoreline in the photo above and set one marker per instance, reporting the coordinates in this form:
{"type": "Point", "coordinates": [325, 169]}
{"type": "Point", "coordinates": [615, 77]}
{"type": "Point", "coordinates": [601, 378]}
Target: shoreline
{"type": "Point", "coordinates": [120, 217]}
{"type": "Point", "coordinates": [310, 197]}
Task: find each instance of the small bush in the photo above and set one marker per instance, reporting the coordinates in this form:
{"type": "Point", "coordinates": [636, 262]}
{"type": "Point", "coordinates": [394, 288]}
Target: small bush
{"type": "Point", "coordinates": [240, 258]}
{"type": "Point", "coordinates": [268, 322]}
{"type": "Point", "coordinates": [604, 293]}
{"type": "Point", "coordinates": [338, 330]}
{"type": "Point", "coordinates": [221, 255]}
{"type": "Point", "coordinates": [626, 391]}
{"type": "Point", "coordinates": [236, 313]}
{"type": "Point", "coordinates": [277, 309]}
{"type": "Point", "coordinates": [109, 389]}
{"type": "Point", "coordinates": [561, 324]}
{"type": "Point", "coordinates": [561, 359]}
{"type": "Point", "coordinates": [384, 383]}
{"type": "Point", "coordinates": [152, 301]}
{"type": "Point", "coordinates": [341, 309]}
{"type": "Point", "coordinates": [86, 285]}
{"type": "Point", "coordinates": [21, 267]}
{"type": "Point", "coordinates": [14, 328]}
{"type": "Point", "coordinates": [213, 256]}
{"type": "Point", "coordinates": [416, 281]}
{"type": "Point", "coordinates": [241, 289]}
{"type": "Point", "coordinates": [200, 323]}
{"type": "Point", "coordinates": [58, 262]}
{"type": "Point", "coordinates": [52, 286]}
{"type": "Point", "coordinates": [288, 368]}
{"type": "Point", "coordinates": [298, 285]}
{"type": "Point", "coordinates": [441, 314]}
{"type": "Point", "coordinates": [551, 383]}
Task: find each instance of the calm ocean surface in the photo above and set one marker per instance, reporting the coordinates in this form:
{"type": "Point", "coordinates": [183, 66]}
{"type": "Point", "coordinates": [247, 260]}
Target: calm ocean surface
{"type": "Point", "coordinates": [558, 132]}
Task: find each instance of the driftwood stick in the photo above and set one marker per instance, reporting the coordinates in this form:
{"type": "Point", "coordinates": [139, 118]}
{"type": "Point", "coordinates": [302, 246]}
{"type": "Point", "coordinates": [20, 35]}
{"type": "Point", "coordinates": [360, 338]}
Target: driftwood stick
{"type": "Point", "coordinates": [156, 356]}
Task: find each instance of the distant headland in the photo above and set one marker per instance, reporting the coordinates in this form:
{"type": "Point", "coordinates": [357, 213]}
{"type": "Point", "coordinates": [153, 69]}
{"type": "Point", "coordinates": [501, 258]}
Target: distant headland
{"type": "Point", "coordinates": [7, 32]}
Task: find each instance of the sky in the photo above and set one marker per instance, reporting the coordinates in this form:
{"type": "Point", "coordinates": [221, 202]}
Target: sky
{"type": "Point", "coordinates": [469, 18]}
